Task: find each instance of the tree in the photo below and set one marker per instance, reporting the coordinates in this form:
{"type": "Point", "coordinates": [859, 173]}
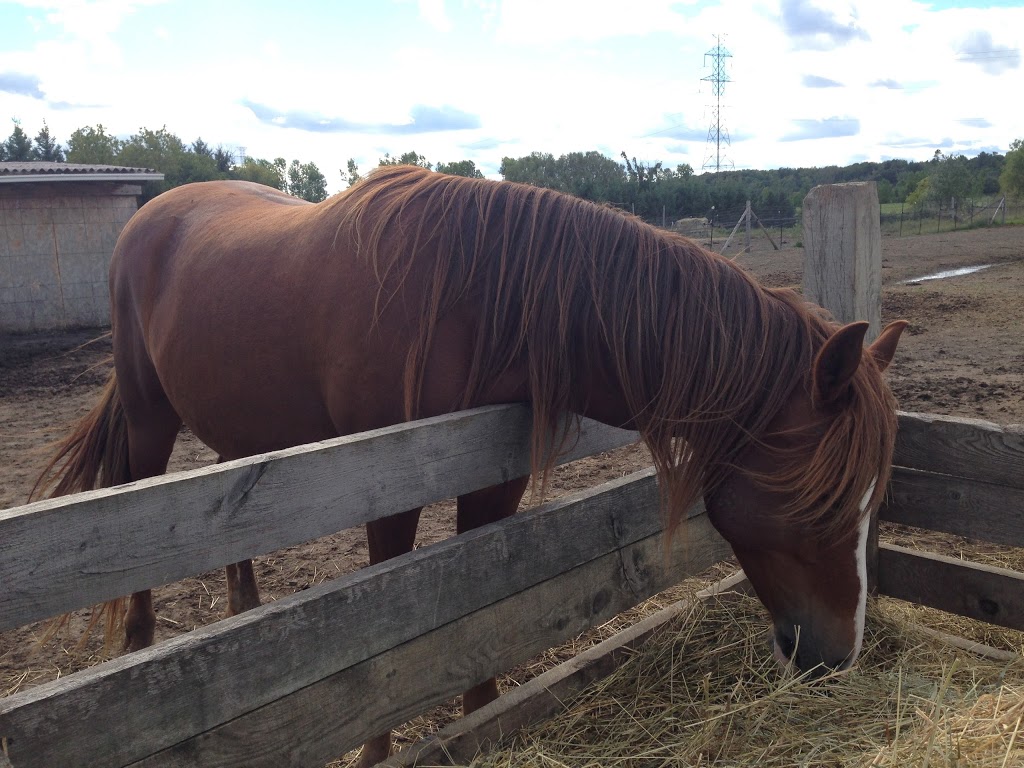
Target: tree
{"type": "Point", "coordinates": [201, 148]}
{"type": "Point", "coordinates": [306, 181]}
{"type": "Point", "coordinates": [1011, 180]}
{"type": "Point", "coordinates": [952, 182]}
{"type": "Point", "coordinates": [922, 192]}
{"type": "Point", "coordinates": [640, 174]}
{"type": "Point", "coordinates": [885, 191]}
{"type": "Point", "coordinates": [164, 152]}
{"type": "Point", "coordinates": [93, 146]}
{"type": "Point", "coordinates": [18, 146]}
{"type": "Point", "coordinates": [407, 158]}
{"type": "Point", "coordinates": [351, 175]}
{"type": "Point", "coordinates": [465, 168]}
{"type": "Point", "coordinates": [47, 147]}
{"type": "Point", "coordinates": [158, 149]}
{"type": "Point", "coordinates": [222, 157]}
{"type": "Point", "coordinates": [537, 168]}
{"type": "Point", "coordinates": [589, 175]}
{"type": "Point", "coordinates": [261, 171]}
{"type": "Point", "coordinates": [194, 166]}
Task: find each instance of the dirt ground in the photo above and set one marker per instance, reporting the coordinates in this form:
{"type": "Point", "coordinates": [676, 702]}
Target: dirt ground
{"type": "Point", "coordinates": [963, 355]}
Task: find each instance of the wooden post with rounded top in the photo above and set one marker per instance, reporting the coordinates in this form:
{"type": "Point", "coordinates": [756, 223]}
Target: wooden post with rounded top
{"type": "Point", "coordinates": [843, 252]}
{"type": "Point", "coordinates": [843, 273]}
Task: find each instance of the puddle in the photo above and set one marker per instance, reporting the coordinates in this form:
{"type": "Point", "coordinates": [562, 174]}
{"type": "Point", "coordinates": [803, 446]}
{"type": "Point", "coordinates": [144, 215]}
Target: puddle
{"type": "Point", "coordinates": [948, 273]}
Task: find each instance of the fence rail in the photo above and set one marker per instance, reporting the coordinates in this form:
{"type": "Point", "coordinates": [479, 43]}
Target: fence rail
{"type": "Point", "coordinates": [982, 592]}
{"type": "Point", "coordinates": [303, 679]}
{"type": "Point", "coordinates": [965, 477]}
{"type": "Point", "coordinates": [67, 553]}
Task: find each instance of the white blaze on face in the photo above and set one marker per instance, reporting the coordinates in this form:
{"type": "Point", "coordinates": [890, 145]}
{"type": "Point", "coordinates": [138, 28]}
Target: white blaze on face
{"type": "Point", "coordinates": [862, 572]}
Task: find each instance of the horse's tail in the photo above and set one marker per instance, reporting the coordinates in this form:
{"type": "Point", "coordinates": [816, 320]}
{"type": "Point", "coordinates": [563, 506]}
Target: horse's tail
{"type": "Point", "coordinates": [94, 455]}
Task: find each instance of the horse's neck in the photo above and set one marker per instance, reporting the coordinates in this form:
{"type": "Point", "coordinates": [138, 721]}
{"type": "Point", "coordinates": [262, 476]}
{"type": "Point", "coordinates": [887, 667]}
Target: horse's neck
{"type": "Point", "coordinates": [703, 377]}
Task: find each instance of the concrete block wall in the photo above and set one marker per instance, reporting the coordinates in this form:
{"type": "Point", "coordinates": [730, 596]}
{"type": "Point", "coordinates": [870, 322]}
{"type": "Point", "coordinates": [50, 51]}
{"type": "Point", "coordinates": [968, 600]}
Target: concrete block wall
{"type": "Point", "coordinates": [56, 240]}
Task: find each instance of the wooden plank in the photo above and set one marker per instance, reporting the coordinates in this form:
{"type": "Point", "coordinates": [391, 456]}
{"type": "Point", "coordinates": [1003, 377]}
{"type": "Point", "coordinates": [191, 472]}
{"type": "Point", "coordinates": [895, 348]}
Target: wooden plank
{"type": "Point", "coordinates": [970, 448]}
{"type": "Point", "coordinates": [956, 505]}
{"type": "Point", "coordinates": [981, 592]}
{"type": "Point", "coordinates": [309, 728]}
{"type": "Point", "coordinates": [136, 704]}
{"type": "Point", "coordinates": [978, 649]}
{"type": "Point", "coordinates": [61, 554]}
{"type": "Point", "coordinates": [545, 696]}
{"type": "Point", "coordinates": [843, 252]}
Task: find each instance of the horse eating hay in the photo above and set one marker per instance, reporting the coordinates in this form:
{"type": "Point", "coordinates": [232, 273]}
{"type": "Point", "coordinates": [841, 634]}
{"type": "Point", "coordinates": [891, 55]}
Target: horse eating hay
{"type": "Point", "coordinates": [264, 322]}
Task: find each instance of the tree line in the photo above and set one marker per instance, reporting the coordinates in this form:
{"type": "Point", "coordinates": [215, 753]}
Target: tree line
{"type": "Point", "coordinates": [650, 190]}
{"type": "Point", "coordinates": [653, 191]}
{"type": "Point", "coordinates": [165, 152]}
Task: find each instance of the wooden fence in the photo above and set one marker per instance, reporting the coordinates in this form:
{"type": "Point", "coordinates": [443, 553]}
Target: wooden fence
{"type": "Point", "coordinates": [302, 680]}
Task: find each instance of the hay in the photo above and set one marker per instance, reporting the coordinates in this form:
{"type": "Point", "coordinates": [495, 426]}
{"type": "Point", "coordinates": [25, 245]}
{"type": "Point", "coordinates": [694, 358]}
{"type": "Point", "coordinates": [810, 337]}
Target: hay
{"type": "Point", "coordinates": [707, 692]}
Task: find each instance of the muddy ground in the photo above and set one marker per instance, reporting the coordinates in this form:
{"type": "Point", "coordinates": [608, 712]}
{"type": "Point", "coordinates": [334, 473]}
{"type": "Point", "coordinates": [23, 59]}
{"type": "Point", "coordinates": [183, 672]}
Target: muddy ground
{"type": "Point", "coordinates": [963, 355]}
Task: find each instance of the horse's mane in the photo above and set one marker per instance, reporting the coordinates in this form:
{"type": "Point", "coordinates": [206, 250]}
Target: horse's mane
{"type": "Point", "coordinates": [703, 355]}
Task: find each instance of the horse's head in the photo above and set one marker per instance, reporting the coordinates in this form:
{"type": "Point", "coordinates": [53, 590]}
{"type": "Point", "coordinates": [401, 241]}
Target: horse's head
{"type": "Point", "coordinates": [797, 503]}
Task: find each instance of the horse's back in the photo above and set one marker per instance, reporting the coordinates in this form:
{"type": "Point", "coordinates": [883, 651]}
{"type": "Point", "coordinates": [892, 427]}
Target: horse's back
{"type": "Point", "coordinates": [232, 290]}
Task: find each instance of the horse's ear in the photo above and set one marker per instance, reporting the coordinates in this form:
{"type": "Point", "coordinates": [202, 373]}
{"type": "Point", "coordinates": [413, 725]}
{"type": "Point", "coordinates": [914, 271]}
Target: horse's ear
{"type": "Point", "coordinates": [838, 360]}
{"type": "Point", "coordinates": [884, 347]}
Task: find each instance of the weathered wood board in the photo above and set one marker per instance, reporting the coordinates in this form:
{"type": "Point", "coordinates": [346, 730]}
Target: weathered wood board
{"type": "Point", "coordinates": [547, 695]}
{"type": "Point", "coordinates": [62, 554]}
{"type": "Point", "coordinates": [981, 592]}
{"type": "Point", "coordinates": [970, 448]}
{"type": "Point", "coordinates": [843, 252]}
{"type": "Point", "coordinates": [261, 669]}
{"type": "Point", "coordinates": [956, 505]}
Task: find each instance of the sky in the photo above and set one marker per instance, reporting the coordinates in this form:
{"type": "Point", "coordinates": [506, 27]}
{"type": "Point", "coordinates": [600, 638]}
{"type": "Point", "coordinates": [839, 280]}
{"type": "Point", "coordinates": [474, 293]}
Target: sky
{"type": "Point", "coordinates": [810, 82]}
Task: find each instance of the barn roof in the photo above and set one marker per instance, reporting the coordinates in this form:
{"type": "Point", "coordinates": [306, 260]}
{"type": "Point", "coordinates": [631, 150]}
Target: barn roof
{"type": "Point", "coordinates": [43, 170]}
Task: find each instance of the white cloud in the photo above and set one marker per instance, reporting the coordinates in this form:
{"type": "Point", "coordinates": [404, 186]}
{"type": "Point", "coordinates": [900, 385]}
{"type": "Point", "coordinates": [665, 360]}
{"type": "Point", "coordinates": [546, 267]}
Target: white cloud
{"type": "Point", "coordinates": [432, 11]}
{"type": "Point", "coordinates": [527, 22]}
{"type": "Point", "coordinates": [546, 75]}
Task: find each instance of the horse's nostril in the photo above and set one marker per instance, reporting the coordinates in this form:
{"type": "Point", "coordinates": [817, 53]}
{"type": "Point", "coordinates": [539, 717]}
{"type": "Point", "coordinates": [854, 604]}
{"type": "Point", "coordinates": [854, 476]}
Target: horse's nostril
{"type": "Point", "coordinates": [785, 643]}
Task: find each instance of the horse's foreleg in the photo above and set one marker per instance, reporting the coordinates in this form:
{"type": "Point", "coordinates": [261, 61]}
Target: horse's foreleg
{"type": "Point", "coordinates": [480, 508]}
{"type": "Point", "coordinates": [139, 621]}
{"type": "Point", "coordinates": [388, 537]}
{"type": "Point", "coordinates": [243, 593]}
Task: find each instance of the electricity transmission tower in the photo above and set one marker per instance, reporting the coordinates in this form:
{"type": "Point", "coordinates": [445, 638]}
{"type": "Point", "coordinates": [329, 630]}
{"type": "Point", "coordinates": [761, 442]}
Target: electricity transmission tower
{"type": "Point", "coordinates": [717, 132]}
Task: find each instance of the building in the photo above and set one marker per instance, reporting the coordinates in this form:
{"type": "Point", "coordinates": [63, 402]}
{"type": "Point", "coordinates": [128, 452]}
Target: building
{"type": "Point", "coordinates": [58, 226]}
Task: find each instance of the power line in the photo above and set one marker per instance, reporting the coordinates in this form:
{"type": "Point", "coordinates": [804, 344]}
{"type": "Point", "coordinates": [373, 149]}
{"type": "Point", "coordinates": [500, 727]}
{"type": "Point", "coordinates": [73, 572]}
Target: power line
{"type": "Point", "coordinates": [717, 132]}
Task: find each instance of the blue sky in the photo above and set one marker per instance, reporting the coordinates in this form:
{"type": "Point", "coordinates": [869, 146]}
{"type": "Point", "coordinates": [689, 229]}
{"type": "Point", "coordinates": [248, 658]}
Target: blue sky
{"type": "Point", "coordinates": [812, 82]}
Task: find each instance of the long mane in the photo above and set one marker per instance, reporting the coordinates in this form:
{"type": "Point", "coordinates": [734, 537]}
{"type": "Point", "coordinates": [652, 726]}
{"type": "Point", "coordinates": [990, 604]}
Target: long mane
{"type": "Point", "coordinates": [703, 356]}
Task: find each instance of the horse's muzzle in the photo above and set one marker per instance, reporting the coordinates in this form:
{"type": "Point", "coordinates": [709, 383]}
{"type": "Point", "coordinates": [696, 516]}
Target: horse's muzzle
{"type": "Point", "coordinates": [790, 651]}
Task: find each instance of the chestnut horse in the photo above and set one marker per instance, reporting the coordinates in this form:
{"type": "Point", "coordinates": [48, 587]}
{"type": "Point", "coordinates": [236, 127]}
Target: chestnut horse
{"type": "Point", "coordinates": [264, 322]}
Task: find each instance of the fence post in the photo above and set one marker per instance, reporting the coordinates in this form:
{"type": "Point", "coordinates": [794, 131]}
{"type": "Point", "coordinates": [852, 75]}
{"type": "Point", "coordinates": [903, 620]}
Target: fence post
{"type": "Point", "coordinates": [843, 252]}
{"type": "Point", "coordinates": [843, 273]}
{"type": "Point", "coordinates": [746, 214]}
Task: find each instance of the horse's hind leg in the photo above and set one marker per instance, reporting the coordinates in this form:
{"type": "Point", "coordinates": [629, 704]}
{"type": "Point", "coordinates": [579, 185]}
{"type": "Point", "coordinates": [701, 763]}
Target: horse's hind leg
{"type": "Point", "coordinates": [150, 442]}
{"type": "Point", "coordinates": [153, 428]}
